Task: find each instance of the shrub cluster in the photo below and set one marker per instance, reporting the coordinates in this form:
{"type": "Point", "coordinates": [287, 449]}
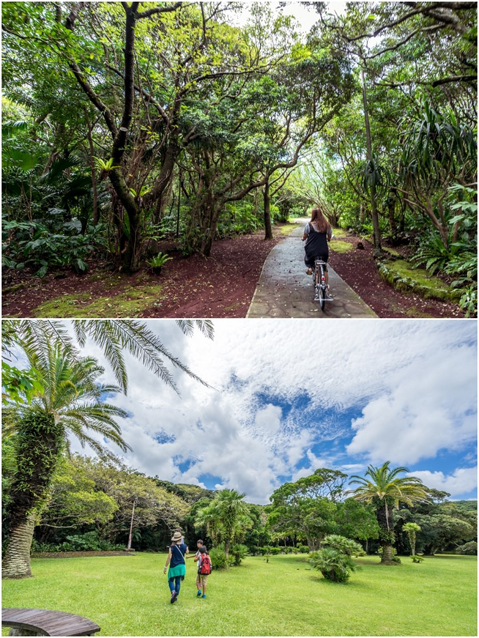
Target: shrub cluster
{"type": "Point", "coordinates": [334, 560]}
{"type": "Point", "coordinates": [88, 542]}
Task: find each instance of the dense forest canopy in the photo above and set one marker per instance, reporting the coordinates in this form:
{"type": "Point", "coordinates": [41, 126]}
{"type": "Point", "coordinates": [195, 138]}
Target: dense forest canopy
{"type": "Point", "coordinates": [99, 503]}
{"type": "Point", "coordinates": [125, 123]}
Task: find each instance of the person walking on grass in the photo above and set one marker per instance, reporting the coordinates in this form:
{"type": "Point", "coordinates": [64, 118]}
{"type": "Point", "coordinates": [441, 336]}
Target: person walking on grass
{"type": "Point", "coordinates": [196, 557]}
{"type": "Point", "coordinates": [176, 562]}
{"type": "Point", "coordinates": [204, 570]}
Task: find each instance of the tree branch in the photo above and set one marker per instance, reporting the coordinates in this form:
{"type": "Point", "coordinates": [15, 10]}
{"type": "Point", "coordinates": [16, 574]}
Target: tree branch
{"type": "Point", "coordinates": [156, 10]}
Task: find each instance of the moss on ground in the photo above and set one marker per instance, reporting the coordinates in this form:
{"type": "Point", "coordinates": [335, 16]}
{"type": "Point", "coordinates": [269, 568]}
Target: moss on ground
{"type": "Point", "coordinates": [288, 228]}
{"type": "Point", "coordinates": [401, 275]}
{"type": "Point", "coordinates": [340, 232]}
{"type": "Point", "coordinates": [128, 302]}
{"type": "Point", "coordinates": [338, 246]}
{"type": "Point", "coordinates": [391, 251]}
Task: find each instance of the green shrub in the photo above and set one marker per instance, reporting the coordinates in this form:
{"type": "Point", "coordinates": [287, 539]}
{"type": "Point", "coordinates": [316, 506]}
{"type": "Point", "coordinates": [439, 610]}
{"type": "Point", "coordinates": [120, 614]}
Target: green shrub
{"type": "Point", "coordinates": [334, 559]}
{"type": "Point", "coordinates": [417, 559]}
{"type": "Point", "coordinates": [468, 548]}
{"type": "Point", "coordinates": [218, 558]}
{"type": "Point", "coordinates": [303, 549]}
{"type": "Point", "coordinates": [274, 551]}
{"type": "Point", "coordinates": [41, 247]}
{"type": "Point", "coordinates": [88, 542]}
{"type": "Point", "coordinates": [237, 553]}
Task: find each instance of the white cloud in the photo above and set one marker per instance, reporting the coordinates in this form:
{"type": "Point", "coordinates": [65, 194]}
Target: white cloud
{"type": "Point", "coordinates": [461, 481]}
{"type": "Point", "coordinates": [426, 408]}
{"type": "Point", "coordinates": [280, 389]}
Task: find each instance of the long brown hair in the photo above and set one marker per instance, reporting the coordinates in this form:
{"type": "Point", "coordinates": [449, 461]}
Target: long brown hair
{"type": "Point", "coordinates": [322, 224]}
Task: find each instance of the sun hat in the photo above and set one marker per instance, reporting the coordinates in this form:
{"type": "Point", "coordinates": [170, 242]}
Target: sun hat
{"type": "Point", "coordinates": [176, 537]}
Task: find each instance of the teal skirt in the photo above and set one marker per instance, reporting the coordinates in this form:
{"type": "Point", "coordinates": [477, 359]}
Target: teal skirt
{"type": "Point", "coordinates": [179, 570]}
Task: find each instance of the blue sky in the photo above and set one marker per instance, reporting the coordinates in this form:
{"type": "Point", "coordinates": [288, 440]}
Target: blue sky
{"type": "Point", "coordinates": [288, 397]}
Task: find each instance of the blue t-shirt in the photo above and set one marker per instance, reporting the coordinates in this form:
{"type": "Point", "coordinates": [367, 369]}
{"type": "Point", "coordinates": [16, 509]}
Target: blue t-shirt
{"type": "Point", "coordinates": [177, 554]}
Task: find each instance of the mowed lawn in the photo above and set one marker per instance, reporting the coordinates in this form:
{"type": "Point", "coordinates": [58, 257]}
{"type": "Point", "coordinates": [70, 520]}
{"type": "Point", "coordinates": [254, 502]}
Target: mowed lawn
{"type": "Point", "coordinates": [129, 596]}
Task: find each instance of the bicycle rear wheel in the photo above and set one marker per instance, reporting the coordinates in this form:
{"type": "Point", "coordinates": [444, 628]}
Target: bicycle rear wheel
{"type": "Point", "coordinates": [322, 296]}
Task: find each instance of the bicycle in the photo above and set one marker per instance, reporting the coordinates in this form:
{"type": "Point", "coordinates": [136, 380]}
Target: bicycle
{"type": "Point", "coordinates": [319, 283]}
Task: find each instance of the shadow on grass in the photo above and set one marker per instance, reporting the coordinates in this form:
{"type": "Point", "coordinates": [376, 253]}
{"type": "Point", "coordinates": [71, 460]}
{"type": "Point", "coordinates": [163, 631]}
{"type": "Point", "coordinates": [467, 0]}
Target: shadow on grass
{"type": "Point", "coordinates": [352, 584]}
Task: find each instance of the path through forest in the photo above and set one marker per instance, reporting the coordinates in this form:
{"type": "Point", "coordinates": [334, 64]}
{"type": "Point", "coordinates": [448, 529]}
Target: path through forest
{"type": "Point", "coordinates": [285, 290]}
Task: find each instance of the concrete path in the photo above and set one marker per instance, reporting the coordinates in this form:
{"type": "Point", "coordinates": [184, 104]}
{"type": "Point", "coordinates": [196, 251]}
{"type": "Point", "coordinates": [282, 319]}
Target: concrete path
{"type": "Point", "coordinates": [285, 290]}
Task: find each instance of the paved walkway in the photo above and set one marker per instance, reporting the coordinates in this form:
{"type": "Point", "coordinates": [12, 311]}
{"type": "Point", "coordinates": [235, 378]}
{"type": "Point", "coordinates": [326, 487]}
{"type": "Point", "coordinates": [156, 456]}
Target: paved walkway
{"type": "Point", "coordinates": [285, 290]}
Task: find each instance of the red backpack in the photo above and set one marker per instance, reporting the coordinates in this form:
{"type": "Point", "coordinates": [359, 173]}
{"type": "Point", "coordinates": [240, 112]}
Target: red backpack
{"type": "Point", "coordinates": [205, 565]}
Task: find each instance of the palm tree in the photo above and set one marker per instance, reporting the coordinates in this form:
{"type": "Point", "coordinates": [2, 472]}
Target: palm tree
{"type": "Point", "coordinates": [61, 380]}
{"type": "Point", "coordinates": [69, 402]}
{"type": "Point", "coordinates": [411, 529]}
{"type": "Point", "coordinates": [385, 490]}
{"type": "Point", "coordinates": [225, 517]}
{"type": "Point", "coordinates": [114, 336]}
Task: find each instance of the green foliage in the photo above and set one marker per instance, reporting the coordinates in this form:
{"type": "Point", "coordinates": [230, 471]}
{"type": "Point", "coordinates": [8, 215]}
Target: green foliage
{"type": "Point", "coordinates": [87, 542]}
{"type": "Point", "coordinates": [469, 548]}
{"type": "Point", "coordinates": [102, 165]}
{"type": "Point", "coordinates": [237, 553]}
{"type": "Point", "coordinates": [34, 245]}
{"type": "Point", "coordinates": [417, 559]}
{"type": "Point", "coordinates": [160, 260]}
{"type": "Point", "coordinates": [433, 254]}
{"type": "Point", "coordinates": [38, 443]}
{"type": "Point", "coordinates": [218, 558]}
{"type": "Point", "coordinates": [19, 385]}
{"type": "Point", "coordinates": [226, 517]}
{"type": "Point", "coordinates": [334, 559]}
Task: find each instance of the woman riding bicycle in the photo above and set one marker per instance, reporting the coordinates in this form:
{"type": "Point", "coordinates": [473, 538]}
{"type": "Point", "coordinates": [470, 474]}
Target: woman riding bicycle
{"type": "Point", "coordinates": [317, 233]}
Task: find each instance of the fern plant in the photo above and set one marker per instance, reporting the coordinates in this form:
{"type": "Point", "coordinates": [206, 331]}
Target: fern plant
{"type": "Point", "coordinates": [159, 261]}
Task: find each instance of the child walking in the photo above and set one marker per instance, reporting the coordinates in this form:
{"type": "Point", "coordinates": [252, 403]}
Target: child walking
{"type": "Point", "coordinates": [204, 570]}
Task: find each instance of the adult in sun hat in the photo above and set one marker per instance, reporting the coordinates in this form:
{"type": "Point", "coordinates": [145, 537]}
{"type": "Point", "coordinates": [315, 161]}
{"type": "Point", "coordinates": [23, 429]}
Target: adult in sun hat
{"type": "Point", "coordinates": [176, 562]}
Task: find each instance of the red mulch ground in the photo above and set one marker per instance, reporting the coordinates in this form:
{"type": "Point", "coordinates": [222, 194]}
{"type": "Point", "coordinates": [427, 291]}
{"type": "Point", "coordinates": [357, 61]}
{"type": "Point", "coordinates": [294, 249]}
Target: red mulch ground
{"type": "Point", "coordinates": [358, 269]}
{"type": "Point", "coordinates": [221, 286]}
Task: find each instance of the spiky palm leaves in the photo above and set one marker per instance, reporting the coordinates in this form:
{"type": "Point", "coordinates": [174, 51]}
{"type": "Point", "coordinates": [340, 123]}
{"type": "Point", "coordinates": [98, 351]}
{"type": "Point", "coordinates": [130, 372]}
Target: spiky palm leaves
{"type": "Point", "coordinates": [225, 517]}
{"type": "Point", "coordinates": [385, 489]}
{"type": "Point", "coordinates": [114, 336]}
{"type": "Point", "coordinates": [70, 401]}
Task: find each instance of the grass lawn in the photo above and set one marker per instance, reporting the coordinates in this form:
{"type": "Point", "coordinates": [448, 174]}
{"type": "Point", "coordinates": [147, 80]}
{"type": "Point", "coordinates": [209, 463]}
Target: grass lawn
{"type": "Point", "coordinates": [129, 596]}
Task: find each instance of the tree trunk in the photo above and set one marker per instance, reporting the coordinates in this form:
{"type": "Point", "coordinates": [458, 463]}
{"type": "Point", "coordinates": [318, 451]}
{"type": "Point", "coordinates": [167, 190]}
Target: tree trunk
{"type": "Point", "coordinates": [268, 231]}
{"type": "Point", "coordinates": [384, 516]}
{"type": "Point", "coordinates": [227, 547]}
{"type": "Point", "coordinates": [16, 562]}
{"type": "Point", "coordinates": [374, 210]}
{"type": "Point", "coordinates": [131, 524]}
{"type": "Point", "coordinates": [96, 214]}
{"type": "Point", "coordinates": [132, 255]}
{"type": "Point", "coordinates": [387, 557]}
{"type": "Point", "coordinates": [392, 217]}
{"type": "Point", "coordinates": [39, 444]}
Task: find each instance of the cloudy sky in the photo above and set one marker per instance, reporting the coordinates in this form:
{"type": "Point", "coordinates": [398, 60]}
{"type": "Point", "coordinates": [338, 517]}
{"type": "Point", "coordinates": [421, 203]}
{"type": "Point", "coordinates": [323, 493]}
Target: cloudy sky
{"type": "Point", "coordinates": [288, 397]}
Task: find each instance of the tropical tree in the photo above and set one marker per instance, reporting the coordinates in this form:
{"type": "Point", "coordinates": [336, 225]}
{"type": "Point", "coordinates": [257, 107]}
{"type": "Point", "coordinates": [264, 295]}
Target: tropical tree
{"type": "Point", "coordinates": [411, 529]}
{"type": "Point", "coordinates": [113, 336]}
{"type": "Point", "coordinates": [307, 508]}
{"type": "Point", "coordinates": [226, 517]}
{"type": "Point", "coordinates": [70, 402]}
{"type": "Point", "coordinates": [385, 490]}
